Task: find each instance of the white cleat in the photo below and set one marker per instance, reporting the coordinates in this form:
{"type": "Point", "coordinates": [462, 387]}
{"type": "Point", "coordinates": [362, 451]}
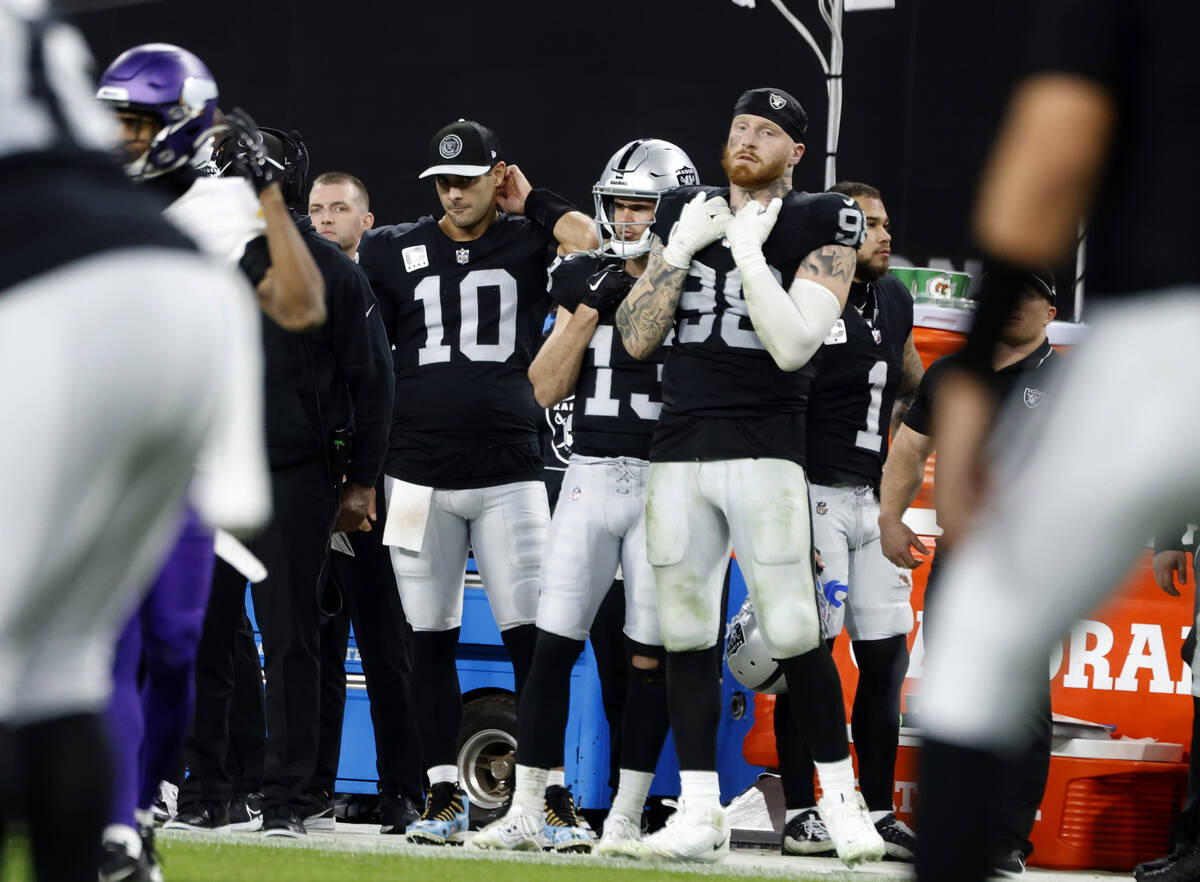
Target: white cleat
{"type": "Point", "coordinates": [849, 825]}
{"type": "Point", "coordinates": [621, 837]}
{"type": "Point", "coordinates": [516, 831]}
{"type": "Point", "coordinates": [692, 834]}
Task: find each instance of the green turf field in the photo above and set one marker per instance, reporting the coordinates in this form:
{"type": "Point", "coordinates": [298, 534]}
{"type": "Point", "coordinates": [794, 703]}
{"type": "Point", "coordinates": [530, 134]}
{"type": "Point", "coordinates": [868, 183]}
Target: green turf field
{"type": "Point", "coordinates": [208, 860]}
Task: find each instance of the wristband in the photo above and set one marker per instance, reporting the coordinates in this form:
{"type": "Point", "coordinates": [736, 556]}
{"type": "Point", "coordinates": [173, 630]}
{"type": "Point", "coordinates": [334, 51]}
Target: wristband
{"type": "Point", "coordinates": [545, 208]}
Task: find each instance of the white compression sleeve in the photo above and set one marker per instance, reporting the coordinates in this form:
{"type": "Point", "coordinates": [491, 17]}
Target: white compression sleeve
{"type": "Point", "coordinates": [791, 324]}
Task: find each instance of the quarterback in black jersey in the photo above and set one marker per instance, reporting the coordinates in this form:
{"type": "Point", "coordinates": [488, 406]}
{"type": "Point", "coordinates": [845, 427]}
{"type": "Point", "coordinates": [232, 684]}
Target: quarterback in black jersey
{"type": "Point", "coordinates": [464, 299]}
{"type": "Point", "coordinates": [867, 362]}
{"type": "Point", "coordinates": [599, 523]}
{"type": "Point", "coordinates": [751, 297]}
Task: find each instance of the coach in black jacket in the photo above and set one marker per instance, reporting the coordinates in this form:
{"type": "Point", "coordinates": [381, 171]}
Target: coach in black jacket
{"type": "Point", "coordinates": [321, 386]}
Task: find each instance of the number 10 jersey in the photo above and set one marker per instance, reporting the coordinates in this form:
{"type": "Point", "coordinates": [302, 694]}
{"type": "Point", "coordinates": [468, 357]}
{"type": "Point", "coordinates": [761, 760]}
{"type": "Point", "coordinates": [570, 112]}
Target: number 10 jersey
{"type": "Point", "coordinates": [464, 319]}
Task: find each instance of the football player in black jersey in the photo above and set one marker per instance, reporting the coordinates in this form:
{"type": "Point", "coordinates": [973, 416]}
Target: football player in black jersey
{"type": "Point", "coordinates": [599, 524]}
{"type": "Point", "coordinates": [867, 363]}
{"type": "Point", "coordinates": [464, 298]}
{"type": "Point", "coordinates": [751, 297]}
{"type": "Point", "coordinates": [117, 341]}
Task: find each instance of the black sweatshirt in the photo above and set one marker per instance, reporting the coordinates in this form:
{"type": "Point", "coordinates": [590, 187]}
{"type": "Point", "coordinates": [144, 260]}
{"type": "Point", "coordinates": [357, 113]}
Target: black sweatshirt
{"type": "Point", "coordinates": [337, 375]}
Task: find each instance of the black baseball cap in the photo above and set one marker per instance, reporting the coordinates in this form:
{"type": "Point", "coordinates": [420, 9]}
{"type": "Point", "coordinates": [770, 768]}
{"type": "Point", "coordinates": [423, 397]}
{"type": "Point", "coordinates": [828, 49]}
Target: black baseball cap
{"type": "Point", "coordinates": [1039, 279]}
{"type": "Point", "coordinates": [462, 148]}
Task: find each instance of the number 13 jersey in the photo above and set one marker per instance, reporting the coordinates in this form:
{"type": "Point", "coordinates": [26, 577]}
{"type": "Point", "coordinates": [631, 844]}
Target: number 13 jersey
{"type": "Point", "coordinates": [464, 319]}
{"type": "Point", "coordinates": [723, 395]}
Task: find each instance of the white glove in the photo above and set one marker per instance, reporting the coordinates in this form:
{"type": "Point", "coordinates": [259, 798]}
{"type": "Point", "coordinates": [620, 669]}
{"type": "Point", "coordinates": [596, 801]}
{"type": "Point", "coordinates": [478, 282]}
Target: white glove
{"type": "Point", "coordinates": [748, 230]}
{"type": "Point", "coordinates": [701, 223]}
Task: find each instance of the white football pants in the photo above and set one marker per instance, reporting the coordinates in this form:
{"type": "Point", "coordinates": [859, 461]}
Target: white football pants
{"type": "Point", "coordinates": [696, 512]}
{"type": "Point", "coordinates": [1076, 499]}
{"type": "Point", "coordinates": [600, 522]}
{"type": "Point", "coordinates": [506, 528]}
{"type": "Point", "coordinates": [110, 373]}
{"type": "Point", "coordinates": [859, 586]}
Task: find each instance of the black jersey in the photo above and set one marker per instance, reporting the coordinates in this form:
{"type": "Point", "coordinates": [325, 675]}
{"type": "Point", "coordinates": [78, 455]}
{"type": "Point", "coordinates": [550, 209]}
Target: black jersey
{"type": "Point", "coordinates": [1021, 387]}
{"type": "Point", "coordinates": [858, 372]}
{"type": "Point", "coordinates": [617, 397]}
{"type": "Point", "coordinates": [723, 395]}
{"type": "Point", "coordinates": [464, 319]}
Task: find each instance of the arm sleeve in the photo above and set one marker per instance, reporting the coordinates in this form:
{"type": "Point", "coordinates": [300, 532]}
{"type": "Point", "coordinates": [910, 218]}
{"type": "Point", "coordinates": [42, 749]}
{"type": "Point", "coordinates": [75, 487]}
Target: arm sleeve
{"type": "Point", "coordinates": [364, 362]}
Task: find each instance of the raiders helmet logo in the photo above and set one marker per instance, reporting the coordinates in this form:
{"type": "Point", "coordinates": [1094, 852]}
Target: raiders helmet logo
{"type": "Point", "coordinates": [777, 101]}
{"type": "Point", "coordinates": [450, 146]}
{"type": "Point", "coordinates": [462, 255]}
{"type": "Point", "coordinates": [736, 639]}
{"type": "Point", "coordinates": [686, 176]}
{"type": "Point", "coordinates": [1033, 397]}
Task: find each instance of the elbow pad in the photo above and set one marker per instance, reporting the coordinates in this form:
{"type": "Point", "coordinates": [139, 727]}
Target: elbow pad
{"type": "Point", "coordinates": [791, 324]}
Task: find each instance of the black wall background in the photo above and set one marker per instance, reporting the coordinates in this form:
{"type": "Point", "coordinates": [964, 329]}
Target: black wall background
{"type": "Point", "coordinates": [565, 83]}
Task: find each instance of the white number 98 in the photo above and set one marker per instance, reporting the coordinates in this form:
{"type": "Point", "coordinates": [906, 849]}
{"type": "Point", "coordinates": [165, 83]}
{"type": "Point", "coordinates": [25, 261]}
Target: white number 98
{"type": "Point", "coordinates": [851, 227]}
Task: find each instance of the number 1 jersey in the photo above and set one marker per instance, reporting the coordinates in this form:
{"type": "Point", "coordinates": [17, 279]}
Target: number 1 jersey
{"type": "Point", "coordinates": [464, 319]}
{"type": "Point", "coordinates": [723, 395]}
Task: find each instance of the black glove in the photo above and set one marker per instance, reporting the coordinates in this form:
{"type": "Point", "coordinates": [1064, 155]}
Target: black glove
{"type": "Point", "coordinates": [250, 159]}
{"type": "Point", "coordinates": [607, 287]}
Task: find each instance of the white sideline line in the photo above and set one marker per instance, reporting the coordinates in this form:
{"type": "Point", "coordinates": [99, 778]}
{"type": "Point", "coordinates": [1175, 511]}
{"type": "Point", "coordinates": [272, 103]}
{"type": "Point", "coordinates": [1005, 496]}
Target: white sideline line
{"type": "Point", "coordinates": [750, 863]}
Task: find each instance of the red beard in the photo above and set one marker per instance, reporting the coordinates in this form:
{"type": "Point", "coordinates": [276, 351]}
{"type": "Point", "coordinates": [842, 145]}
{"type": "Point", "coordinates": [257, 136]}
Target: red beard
{"type": "Point", "coordinates": [752, 177]}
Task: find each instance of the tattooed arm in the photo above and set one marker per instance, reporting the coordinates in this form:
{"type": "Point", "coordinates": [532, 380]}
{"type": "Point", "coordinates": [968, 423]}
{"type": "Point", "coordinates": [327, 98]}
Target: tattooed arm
{"type": "Point", "coordinates": [792, 324]}
{"type": "Point", "coordinates": [647, 314]}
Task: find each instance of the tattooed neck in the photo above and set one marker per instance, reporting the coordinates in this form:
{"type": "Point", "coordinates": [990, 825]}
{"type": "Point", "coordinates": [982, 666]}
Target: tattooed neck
{"type": "Point", "coordinates": [780, 187]}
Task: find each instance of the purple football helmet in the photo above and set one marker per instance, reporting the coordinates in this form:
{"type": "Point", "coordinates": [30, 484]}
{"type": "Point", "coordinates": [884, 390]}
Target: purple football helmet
{"type": "Point", "coordinates": [172, 85]}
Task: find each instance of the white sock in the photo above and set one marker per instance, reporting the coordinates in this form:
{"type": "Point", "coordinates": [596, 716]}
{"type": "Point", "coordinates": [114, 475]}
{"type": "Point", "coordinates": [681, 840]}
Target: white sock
{"type": "Point", "coordinates": [124, 835]}
{"type": "Point", "coordinates": [443, 775]}
{"type": "Point", "coordinates": [632, 789]}
{"type": "Point", "coordinates": [876, 817]}
{"type": "Point", "coordinates": [836, 777]}
{"type": "Point", "coordinates": [530, 792]}
{"type": "Point", "coordinates": [145, 817]}
{"type": "Point", "coordinates": [700, 789]}
{"type": "Point", "coordinates": [557, 778]}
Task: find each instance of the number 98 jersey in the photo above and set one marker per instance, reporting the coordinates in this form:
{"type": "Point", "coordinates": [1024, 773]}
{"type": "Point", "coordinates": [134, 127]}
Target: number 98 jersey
{"type": "Point", "coordinates": [464, 319]}
{"type": "Point", "coordinates": [723, 395]}
{"type": "Point", "coordinates": [617, 397]}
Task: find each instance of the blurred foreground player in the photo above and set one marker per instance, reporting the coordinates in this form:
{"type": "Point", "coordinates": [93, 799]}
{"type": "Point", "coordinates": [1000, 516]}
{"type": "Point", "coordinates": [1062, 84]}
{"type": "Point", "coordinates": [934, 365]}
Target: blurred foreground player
{"type": "Point", "coordinates": [134, 335]}
{"type": "Point", "coordinates": [1081, 136]}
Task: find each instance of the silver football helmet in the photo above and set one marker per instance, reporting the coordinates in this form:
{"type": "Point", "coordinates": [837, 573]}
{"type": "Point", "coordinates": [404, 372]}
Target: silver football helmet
{"type": "Point", "coordinates": [747, 655]}
{"type": "Point", "coordinates": [642, 169]}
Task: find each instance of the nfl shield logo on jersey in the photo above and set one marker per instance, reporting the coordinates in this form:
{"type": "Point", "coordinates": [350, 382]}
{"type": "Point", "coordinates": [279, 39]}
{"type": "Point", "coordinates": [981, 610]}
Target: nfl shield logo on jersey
{"type": "Point", "coordinates": [1033, 397]}
{"type": "Point", "coordinates": [822, 508]}
{"type": "Point", "coordinates": [462, 255]}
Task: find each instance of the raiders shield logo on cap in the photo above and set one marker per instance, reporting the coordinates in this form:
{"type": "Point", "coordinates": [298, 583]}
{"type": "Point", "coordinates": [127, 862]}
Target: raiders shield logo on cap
{"type": "Point", "coordinates": [777, 101]}
{"type": "Point", "coordinates": [1033, 397]}
{"type": "Point", "coordinates": [450, 146]}
{"type": "Point", "coordinates": [462, 255]}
